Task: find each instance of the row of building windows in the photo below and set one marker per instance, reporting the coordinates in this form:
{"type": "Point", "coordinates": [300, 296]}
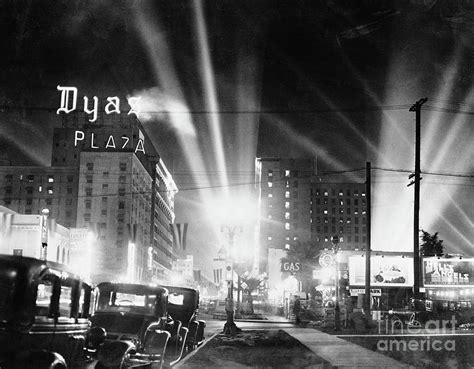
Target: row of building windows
{"type": "Point", "coordinates": [355, 211]}
{"type": "Point", "coordinates": [347, 192]}
{"type": "Point", "coordinates": [31, 178]}
{"type": "Point", "coordinates": [341, 229]}
{"type": "Point", "coordinates": [122, 167]}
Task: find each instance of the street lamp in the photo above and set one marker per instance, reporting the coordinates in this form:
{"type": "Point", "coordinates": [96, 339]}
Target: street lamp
{"type": "Point", "coordinates": [230, 328]}
{"type": "Point", "coordinates": [337, 312]}
{"type": "Point", "coordinates": [44, 234]}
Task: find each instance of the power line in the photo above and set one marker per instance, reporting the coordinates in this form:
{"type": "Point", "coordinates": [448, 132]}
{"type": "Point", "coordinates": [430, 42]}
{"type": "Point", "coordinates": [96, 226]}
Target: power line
{"type": "Point", "coordinates": [230, 112]}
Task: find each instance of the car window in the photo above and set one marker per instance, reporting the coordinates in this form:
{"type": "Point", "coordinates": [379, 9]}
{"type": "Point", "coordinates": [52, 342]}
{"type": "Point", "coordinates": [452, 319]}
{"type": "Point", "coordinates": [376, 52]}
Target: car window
{"type": "Point", "coordinates": [176, 298]}
{"type": "Point", "coordinates": [44, 293]}
{"type": "Point", "coordinates": [65, 301]}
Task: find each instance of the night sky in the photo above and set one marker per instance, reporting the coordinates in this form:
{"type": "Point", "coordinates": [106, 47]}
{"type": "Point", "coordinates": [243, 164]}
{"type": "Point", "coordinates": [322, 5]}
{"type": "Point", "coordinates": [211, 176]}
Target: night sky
{"type": "Point", "coordinates": [332, 79]}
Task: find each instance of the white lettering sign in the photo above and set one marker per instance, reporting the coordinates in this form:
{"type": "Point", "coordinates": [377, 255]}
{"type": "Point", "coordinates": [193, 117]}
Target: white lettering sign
{"type": "Point", "coordinates": [69, 103]}
{"type": "Point", "coordinates": [80, 136]}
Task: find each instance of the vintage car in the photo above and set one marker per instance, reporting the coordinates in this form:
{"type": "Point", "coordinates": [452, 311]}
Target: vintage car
{"type": "Point", "coordinates": [44, 316]}
{"type": "Point", "coordinates": [183, 306]}
{"type": "Point", "coordinates": [136, 315]}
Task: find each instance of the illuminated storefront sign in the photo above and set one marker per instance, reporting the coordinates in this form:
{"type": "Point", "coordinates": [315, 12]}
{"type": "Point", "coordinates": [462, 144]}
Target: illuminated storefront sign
{"type": "Point", "coordinates": [290, 266]}
{"type": "Point", "coordinates": [448, 272]}
{"type": "Point", "coordinates": [385, 271]}
{"type": "Point", "coordinates": [361, 291]}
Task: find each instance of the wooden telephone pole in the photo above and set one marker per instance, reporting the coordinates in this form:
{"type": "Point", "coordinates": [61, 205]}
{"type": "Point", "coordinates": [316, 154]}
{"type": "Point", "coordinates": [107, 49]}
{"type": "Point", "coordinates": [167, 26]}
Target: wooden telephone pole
{"type": "Point", "coordinates": [416, 215]}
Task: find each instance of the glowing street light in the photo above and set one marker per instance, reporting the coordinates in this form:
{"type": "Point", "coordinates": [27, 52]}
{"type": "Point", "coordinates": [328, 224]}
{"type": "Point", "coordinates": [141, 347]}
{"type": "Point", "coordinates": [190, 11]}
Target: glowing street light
{"type": "Point", "coordinates": [337, 311]}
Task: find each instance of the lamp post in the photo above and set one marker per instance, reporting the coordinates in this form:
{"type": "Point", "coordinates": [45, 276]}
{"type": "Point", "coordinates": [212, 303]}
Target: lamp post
{"type": "Point", "coordinates": [337, 311]}
{"type": "Point", "coordinates": [230, 328]}
{"type": "Point", "coordinates": [44, 234]}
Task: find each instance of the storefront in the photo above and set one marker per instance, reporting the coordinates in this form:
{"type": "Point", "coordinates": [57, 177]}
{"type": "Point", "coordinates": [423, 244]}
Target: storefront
{"type": "Point", "coordinates": [391, 281]}
{"type": "Point", "coordinates": [449, 286]}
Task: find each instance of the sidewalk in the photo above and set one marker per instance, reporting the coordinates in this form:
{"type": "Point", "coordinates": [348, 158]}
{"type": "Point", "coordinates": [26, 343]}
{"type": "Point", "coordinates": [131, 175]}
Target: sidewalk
{"type": "Point", "coordinates": [341, 353]}
{"type": "Point", "coordinates": [337, 351]}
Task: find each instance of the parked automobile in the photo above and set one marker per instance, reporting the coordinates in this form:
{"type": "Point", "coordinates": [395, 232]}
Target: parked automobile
{"type": "Point", "coordinates": [183, 306]}
{"type": "Point", "coordinates": [136, 315]}
{"type": "Point", "coordinates": [44, 316]}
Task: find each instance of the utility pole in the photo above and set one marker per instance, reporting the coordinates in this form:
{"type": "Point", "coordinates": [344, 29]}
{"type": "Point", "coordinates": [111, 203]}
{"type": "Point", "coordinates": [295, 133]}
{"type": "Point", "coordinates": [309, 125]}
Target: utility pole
{"type": "Point", "coordinates": [416, 215]}
{"type": "Point", "coordinates": [367, 296]}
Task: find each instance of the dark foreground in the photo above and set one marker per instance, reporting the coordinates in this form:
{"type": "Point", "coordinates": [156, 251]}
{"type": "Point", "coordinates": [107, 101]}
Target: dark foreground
{"type": "Point", "coordinates": [434, 352]}
{"type": "Point", "coordinates": [258, 349]}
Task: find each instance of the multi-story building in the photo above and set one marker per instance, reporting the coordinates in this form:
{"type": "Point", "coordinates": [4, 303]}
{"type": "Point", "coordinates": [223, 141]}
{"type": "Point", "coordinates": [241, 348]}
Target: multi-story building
{"type": "Point", "coordinates": [111, 180]}
{"type": "Point", "coordinates": [29, 189]}
{"type": "Point", "coordinates": [298, 205]}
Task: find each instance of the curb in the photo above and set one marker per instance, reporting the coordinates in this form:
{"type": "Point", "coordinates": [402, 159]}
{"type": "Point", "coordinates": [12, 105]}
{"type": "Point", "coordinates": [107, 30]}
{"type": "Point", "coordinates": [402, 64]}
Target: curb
{"type": "Point", "coordinates": [181, 363]}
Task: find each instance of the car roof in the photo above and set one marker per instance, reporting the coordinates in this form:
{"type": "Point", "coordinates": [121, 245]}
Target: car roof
{"type": "Point", "coordinates": [131, 287]}
{"type": "Point", "coordinates": [36, 266]}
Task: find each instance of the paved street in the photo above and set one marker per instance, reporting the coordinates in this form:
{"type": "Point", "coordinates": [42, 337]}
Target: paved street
{"type": "Point", "coordinates": [335, 350]}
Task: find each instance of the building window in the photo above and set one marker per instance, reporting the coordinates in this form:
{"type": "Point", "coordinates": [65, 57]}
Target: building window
{"type": "Point", "coordinates": [287, 173]}
{"type": "Point", "coordinates": [356, 192]}
{"type": "Point", "coordinates": [356, 229]}
{"type": "Point", "coordinates": [104, 199]}
{"type": "Point", "coordinates": [69, 191]}
{"type": "Point", "coordinates": [123, 166]}
{"type": "Point", "coordinates": [121, 205]}
{"type": "Point", "coordinates": [269, 238]}
{"type": "Point", "coordinates": [89, 178]}
{"type": "Point", "coordinates": [27, 211]}
{"type": "Point", "coordinates": [88, 204]}
{"type": "Point", "coordinates": [90, 166]}
{"type": "Point", "coordinates": [49, 201]}
{"type": "Point", "coordinates": [122, 179]}
{"type": "Point", "coordinates": [40, 188]}
{"type": "Point", "coordinates": [270, 195]}
{"type": "Point", "coordinates": [29, 190]}
{"type": "Point", "coordinates": [121, 191]}
{"type": "Point", "coordinates": [287, 215]}
{"type": "Point", "coordinates": [287, 226]}
{"type": "Point", "coordinates": [105, 174]}
{"type": "Point", "coordinates": [68, 213]}
{"type": "Point", "coordinates": [325, 211]}
{"type": "Point", "coordinates": [270, 173]}
{"type": "Point", "coordinates": [9, 177]}
{"type": "Point", "coordinates": [287, 246]}
{"type": "Point", "coordinates": [70, 178]}
{"type": "Point", "coordinates": [8, 201]}
{"type": "Point", "coordinates": [30, 178]}
{"type": "Point", "coordinates": [287, 194]}
{"type": "Point", "coordinates": [50, 179]}
{"type": "Point", "coordinates": [105, 187]}
{"type": "Point", "coordinates": [29, 201]}
{"type": "Point", "coordinates": [87, 217]}
{"type": "Point", "coordinates": [88, 191]}
{"type": "Point", "coordinates": [68, 202]}
{"type": "Point", "coordinates": [356, 238]}
{"type": "Point", "coordinates": [270, 184]}
{"type": "Point", "coordinates": [287, 204]}
{"type": "Point", "coordinates": [50, 190]}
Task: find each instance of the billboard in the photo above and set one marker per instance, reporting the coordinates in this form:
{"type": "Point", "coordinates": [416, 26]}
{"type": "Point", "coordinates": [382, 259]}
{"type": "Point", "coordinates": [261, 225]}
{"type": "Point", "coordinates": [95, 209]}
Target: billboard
{"type": "Point", "coordinates": [385, 271]}
{"type": "Point", "coordinates": [448, 272]}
